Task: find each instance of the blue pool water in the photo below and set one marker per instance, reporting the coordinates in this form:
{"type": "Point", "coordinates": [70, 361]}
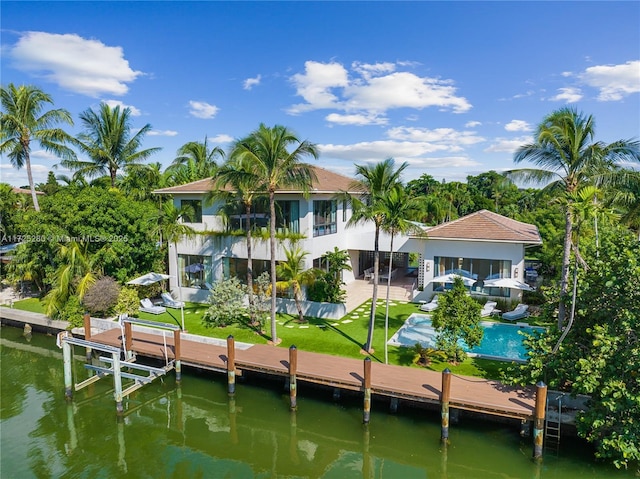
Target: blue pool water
{"type": "Point", "coordinates": [500, 341]}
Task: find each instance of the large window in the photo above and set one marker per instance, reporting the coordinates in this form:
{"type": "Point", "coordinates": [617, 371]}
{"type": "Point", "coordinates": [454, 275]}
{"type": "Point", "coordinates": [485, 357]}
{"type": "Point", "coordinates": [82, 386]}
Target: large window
{"type": "Point", "coordinates": [196, 206]}
{"type": "Point", "coordinates": [476, 271]}
{"type": "Point", "coordinates": [287, 216]}
{"type": "Point", "coordinates": [238, 267]}
{"type": "Point", "coordinates": [324, 217]}
{"type": "Point", "coordinates": [195, 270]}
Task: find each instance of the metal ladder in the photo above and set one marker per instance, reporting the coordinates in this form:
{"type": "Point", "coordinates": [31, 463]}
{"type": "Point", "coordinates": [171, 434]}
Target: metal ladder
{"type": "Point", "coordinates": [553, 425]}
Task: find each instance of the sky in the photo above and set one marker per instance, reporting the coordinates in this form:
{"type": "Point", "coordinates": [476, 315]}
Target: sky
{"type": "Point", "coordinates": [451, 88]}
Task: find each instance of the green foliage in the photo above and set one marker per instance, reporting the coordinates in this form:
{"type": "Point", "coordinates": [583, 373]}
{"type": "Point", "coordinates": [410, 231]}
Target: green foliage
{"type": "Point", "coordinates": [226, 303]}
{"type": "Point", "coordinates": [328, 284]}
{"type": "Point", "coordinates": [73, 312]}
{"type": "Point", "coordinates": [128, 302]}
{"type": "Point", "coordinates": [102, 296]}
{"type": "Point", "coordinates": [457, 318]}
{"type": "Point", "coordinates": [260, 308]}
{"type": "Point", "coordinates": [424, 356]}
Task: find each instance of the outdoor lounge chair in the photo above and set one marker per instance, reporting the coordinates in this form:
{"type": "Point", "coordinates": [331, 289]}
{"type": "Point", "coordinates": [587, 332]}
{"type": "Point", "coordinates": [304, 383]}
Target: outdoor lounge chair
{"type": "Point", "coordinates": [488, 308]}
{"type": "Point", "coordinates": [169, 302]}
{"type": "Point", "coordinates": [148, 307]}
{"type": "Point", "coordinates": [519, 312]}
{"type": "Point", "coordinates": [430, 306]}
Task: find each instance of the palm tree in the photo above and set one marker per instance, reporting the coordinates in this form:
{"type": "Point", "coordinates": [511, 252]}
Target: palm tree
{"type": "Point", "coordinates": [371, 187]}
{"type": "Point", "coordinates": [171, 228]}
{"type": "Point", "coordinates": [267, 149]}
{"type": "Point", "coordinates": [195, 161]}
{"type": "Point", "coordinates": [398, 209]}
{"type": "Point", "coordinates": [292, 272]}
{"type": "Point", "coordinates": [569, 159]}
{"type": "Point", "coordinates": [22, 121]}
{"type": "Point", "coordinates": [108, 142]}
{"type": "Point", "coordinates": [237, 173]}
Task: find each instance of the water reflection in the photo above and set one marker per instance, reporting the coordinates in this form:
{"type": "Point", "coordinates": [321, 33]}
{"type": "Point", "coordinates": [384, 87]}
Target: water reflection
{"type": "Point", "coordinates": [196, 430]}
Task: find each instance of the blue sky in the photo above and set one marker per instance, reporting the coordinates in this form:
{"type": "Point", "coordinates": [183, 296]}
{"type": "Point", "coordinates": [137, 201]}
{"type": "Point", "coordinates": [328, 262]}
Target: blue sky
{"type": "Point", "coordinates": [452, 88]}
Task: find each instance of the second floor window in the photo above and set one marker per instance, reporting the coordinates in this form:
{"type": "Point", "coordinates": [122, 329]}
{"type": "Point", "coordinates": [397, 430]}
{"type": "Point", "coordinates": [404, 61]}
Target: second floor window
{"type": "Point", "coordinates": [324, 217]}
{"type": "Point", "coordinates": [196, 206]}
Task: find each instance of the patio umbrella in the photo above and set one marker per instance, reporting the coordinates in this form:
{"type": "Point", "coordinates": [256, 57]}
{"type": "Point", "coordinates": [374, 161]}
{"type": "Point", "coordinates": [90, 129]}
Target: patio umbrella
{"type": "Point", "coordinates": [507, 283]}
{"type": "Point", "coordinates": [149, 278]}
{"type": "Point", "coordinates": [449, 278]}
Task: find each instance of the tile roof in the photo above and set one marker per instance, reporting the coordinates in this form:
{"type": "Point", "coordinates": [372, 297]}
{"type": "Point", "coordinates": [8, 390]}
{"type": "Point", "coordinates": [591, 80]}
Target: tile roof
{"type": "Point", "coordinates": [485, 225]}
{"type": "Point", "coordinates": [25, 191]}
{"type": "Point", "coordinates": [326, 182]}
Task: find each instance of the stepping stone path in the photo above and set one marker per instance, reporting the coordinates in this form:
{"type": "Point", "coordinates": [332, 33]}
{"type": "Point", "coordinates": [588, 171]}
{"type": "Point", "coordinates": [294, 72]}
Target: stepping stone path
{"type": "Point", "coordinates": [347, 321]}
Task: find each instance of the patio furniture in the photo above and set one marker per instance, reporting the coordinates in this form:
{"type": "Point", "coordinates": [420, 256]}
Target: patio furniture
{"type": "Point", "coordinates": [430, 306]}
{"type": "Point", "coordinates": [368, 274]}
{"type": "Point", "coordinates": [519, 312]}
{"type": "Point", "coordinates": [385, 276]}
{"type": "Point", "coordinates": [148, 307]}
{"type": "Point", "coordinates": [169, 302]}
{"type": "Point", "coordinates": [488, 308]}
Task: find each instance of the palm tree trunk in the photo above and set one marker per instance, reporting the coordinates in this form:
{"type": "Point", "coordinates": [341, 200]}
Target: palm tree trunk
{"type": "Point", "coordinates": [297, 299]}
{"type": "Point", "coordinates": [34, 196]}
{"type": "Point", "coordinates": [252, 311]}
{"type": "Point", "coordinates": [272, 238]}
{"type": "Point", "coordinates": [386, 313]}
{"type": "Point", "coordinates": [374, 297]}
{"type": "Point", "coordinates": [566, 258]}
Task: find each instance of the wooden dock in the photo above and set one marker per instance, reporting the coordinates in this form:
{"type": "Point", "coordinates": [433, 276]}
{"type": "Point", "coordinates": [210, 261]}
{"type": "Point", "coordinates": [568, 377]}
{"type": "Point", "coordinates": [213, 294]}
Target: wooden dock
{"type": "Point", "coordinates": [400, 382]}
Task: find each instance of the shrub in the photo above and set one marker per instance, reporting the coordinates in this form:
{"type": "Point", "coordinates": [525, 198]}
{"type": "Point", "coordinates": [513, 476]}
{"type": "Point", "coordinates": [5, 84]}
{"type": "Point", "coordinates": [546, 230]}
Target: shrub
{"type": "Point", "coordinates": [72, 312]}
{"type": "Point", "coordinates": [128, 302]}
{"type": "Point", "coordinates": [227, 303]}
{"type": "Point", "coordinates": [102, 296]}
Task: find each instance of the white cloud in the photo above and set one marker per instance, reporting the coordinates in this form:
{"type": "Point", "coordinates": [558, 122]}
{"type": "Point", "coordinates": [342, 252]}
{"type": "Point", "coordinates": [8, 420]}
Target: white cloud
{"type": "Point", "coordinates": [201, 109]}
{"type": "Point", "coordinates": [568, 95]}
{"type": "Point", "coordinates": [472, 124]}
{"type": "Point", "coordinates": [566, 74]}
{"type": "Point", "coordinates": [113, 103]}
{"type": "Point", "coordinates": [249, 83]}
{"type": "Point", "coordinates": [356, 119]}
{"type": "Point", "coordinates": [445, 136]}
{"type": "Point", "coordinates": [372, 90]}
{"type": "Point", "coordinates": [162, 133]}
{"type": "Point", "coordinates": [222, 138]}
{"type": "Point", "coordinates": [74, 63]}
{"type": "Point", "coordinates": [517, 125]}
{"type": "Point", "coordinates": [614, 81]}
{"type": "Point", "coordinates": [379, 150]}
{"type": "Point", "coordinates": [508, 145]}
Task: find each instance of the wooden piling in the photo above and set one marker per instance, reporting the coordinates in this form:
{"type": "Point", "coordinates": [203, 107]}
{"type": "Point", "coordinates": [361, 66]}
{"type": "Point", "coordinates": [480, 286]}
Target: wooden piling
{"type": "Point", "coordinates": [444, 404]}
{"type": "Point", "coordinates": [293, 367]}
{"type": "Point", "coordinates": [538, 422]}
{"type": "Point", "coordinates": [367, 391]}
{"type": "Point", "coordinates": [177, 356]}
{"type": "Point", "coordinates": [86, 319]}
{"type": "Point", "coordinates": [231, 365]}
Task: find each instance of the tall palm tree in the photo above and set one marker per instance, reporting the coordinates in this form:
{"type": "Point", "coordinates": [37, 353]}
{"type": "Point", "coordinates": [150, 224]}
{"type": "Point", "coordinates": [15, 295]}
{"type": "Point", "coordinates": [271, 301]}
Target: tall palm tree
{"type": "Point", "coordinates": [398, 210]}
{"type": "Point", "coordinates": [108, 142]}
{"type": "Point", "coordinates": [22, 121]}
{"type": "Point", "coordinates": [292, 272]}
{"type": "Point", "coordinates": [370, 188]}
{"type": "Point", "coordinates": [569, 159]}
{"type": "Point", "coordinates": [238, 173]}
{"type": "Point", "coordinates": [195, 161]}
{"type": "Point", "coordinates": [276, 167]}
{"type": "Point", "coordinates": [171, 228]}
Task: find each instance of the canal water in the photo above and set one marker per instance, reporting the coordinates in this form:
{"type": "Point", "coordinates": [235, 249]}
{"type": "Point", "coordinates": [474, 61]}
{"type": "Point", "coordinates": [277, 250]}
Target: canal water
{"type": "Point", "coordinates": [195, 431]}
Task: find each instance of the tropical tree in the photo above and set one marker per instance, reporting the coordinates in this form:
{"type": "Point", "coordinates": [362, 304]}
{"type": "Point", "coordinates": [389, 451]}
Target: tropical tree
{"type": "Point", "coordinates": [369, 190]}
{"type": "Point", "coordinates": [276, 167]}
{"type": "Point", "coordinates": [195, 161]}
{"type": "Point", "coordinates": [294, 275]}
{"type": "Point", "coordinates": [108, 142]}
{"type": "Point", "coordinates": [22, 120]}
{"type": "Point", "coordinates": [398, 209]}
{"type": "Point", "coordinates": [171, 228]}
{"type": "Point", "coordinates": [569, 159]}
{"type": "Point", "coordinates": [328, 282]}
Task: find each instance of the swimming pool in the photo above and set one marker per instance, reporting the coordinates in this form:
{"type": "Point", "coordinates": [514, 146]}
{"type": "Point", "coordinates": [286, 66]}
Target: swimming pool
{"type": "Point", "coordinates": [500, 341]}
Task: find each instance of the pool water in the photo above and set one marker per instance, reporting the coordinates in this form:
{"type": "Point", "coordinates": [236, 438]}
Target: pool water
{"type": "Point", "coordinates": [500, 340]}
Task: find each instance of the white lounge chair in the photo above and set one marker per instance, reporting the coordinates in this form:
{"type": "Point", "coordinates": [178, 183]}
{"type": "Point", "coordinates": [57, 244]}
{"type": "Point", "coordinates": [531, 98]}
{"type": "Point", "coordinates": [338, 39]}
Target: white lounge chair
{"type": "Point", "coordinates": [519, 312]}
{"type": "Point", "coordinates": [148, 307]}
{"type": "Point", "coordinates": [169, 302]}
{"type": "Point", "coordinates": [488, 308]}
{"type": "Point", "coordinates": [430, 306]}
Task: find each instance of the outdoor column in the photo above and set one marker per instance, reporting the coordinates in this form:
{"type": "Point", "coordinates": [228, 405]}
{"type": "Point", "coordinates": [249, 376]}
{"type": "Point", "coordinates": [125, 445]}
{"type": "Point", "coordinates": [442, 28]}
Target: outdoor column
{"type": "Point", "coordinates": [293, 366]}
{"type": "Point", "coordinates": [538, 421]}
{"type": "Point", "coordinates": [231, 365]}
{"type": "Point", "coordinates": [444, 404]}
{"type": "Point", "coordinates": [367, 390]}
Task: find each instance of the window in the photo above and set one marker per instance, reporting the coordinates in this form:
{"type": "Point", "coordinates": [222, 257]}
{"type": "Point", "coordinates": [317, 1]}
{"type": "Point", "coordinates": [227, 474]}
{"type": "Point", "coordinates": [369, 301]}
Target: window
{"type": "Point", "coordinates": [287, 216]}
{"type": "Point", "coordinates": [479, 270]}
{"type": "Point", "coordinates": [195, 270]}
{"type": "Point", "coordinates": [344, 211]}
{"type": "Point", "coordinates": [324, 217]}
{"type": "Point", "coordinates": [196, 205]}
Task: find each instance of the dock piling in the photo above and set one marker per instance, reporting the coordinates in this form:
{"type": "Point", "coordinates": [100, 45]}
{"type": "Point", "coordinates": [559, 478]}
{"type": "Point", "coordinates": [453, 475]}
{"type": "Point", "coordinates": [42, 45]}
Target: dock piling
{"type": "Point", "coordinates": [67, 356]}
{"type": "Point", "coordinates": [444, 404]}
{"type": "Point", "coordinates": [293, 367]}
{"type": "Point", "coordinates": [128, 340]}
{"type": "Point", "coordinates": [177, 356]}
{"type": "Point", "coordinates": [86, 319]}
{"type": "Point", "coordinates": [367, 391]}
{"type": "Point", "coordinates": [538, 422]}
{"type": "Point", "coordinates": [231, 365]}
{"type": "Point", "coordinates": [117, 382]}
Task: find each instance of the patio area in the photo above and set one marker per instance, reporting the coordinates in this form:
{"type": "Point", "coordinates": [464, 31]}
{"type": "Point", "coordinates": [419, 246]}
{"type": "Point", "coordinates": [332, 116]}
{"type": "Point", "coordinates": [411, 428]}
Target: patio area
{"type": "Point", "coordinates": [361, 290]}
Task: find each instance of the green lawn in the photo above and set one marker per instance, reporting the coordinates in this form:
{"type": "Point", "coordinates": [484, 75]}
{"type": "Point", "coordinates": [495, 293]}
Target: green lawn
{"type": "Point", "coordinates": [343, 337]}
